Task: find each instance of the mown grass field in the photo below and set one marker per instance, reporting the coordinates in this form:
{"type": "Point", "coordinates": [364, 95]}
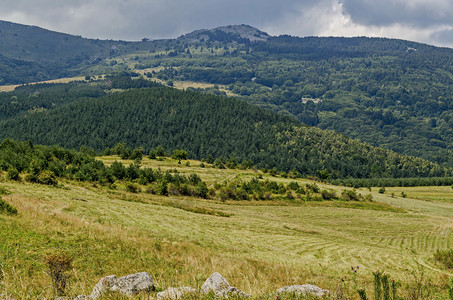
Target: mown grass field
{"type": "Point", "coordinates": [10, 88]}
{"type": "Point", "coordinates": [261, 246]}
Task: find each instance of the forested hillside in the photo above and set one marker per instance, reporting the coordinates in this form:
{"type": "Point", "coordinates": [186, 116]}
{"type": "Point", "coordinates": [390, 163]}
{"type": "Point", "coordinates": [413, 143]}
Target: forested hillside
{"type": "Point", "coordinates": [390, 93]}
{"type": "Point", "coordinates": [31, 54]}
{"type": "Point", "coordinates": [204, 125]}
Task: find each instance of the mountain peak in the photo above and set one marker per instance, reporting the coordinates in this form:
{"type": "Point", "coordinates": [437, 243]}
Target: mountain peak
{"type": "Point", "coordinates": [227, 33]}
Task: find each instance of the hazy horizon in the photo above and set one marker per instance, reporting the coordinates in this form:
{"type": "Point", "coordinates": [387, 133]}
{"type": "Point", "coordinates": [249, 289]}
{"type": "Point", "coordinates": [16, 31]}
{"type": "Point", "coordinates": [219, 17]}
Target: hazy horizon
{"type": "Point", "coordinates": [132, 20]}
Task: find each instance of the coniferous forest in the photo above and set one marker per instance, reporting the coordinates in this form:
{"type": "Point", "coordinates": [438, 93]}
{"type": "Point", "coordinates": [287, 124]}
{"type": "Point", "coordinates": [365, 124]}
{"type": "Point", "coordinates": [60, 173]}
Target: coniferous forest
{"type": "Point", "coordinates": [99, 117]}
{"type": "Point", "coordinates": [392, 94]}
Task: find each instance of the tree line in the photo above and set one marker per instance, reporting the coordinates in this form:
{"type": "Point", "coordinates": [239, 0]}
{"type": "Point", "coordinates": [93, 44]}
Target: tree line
{"type": "Point", "coordinates": [207, 125]}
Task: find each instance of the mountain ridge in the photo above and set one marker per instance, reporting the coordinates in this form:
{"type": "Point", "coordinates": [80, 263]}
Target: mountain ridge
{"type": "Point", "coordinates": [390, 93]}
{"type": "Point", "coordinates": [236, 31]}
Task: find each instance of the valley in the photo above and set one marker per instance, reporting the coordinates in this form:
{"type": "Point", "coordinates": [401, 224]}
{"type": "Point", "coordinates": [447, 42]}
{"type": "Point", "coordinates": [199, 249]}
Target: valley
{"type": "Point", "coordinates": [273, 160]}
{"type": "Point", "coordinates": [260, 247]}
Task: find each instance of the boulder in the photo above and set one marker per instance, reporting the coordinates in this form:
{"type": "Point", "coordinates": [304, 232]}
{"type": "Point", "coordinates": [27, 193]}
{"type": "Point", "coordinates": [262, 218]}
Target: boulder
{"type": "Point", "coordinates": [215, 283]}
{"type": "Point", "coordinates": [129, 285]}
{"type": "Point", "coordinates": [103, 286]}
{"type": "Point", "coordinates": [220, 287]}
{"type": "Point", "coordinates": [176, 293]}
{"type": "Point", "coordinates": [133, 284]}
{"type": "Point", "coordinates": [304, 289]}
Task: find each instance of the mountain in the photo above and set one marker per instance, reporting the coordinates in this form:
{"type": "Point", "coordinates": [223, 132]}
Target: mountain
{"type": "Point", "coordinates": [45, 54]}
{"type": "Point", "coordinates": [31, 43]}
{"type": "Point", "coordinates": [31, 54]}
{"type": "Point", "coordinates": [389, 93]}
{"type": "Point", "coordinates": [230, 33]}
{"type": "Point", "coordinates": [204, 125]}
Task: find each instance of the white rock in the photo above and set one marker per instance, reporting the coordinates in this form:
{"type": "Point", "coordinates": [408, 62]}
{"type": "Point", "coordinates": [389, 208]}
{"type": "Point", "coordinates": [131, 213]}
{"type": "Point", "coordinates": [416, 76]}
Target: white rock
{"type": "Point", "coordinates": [305, 289]}
{"type": "Point", "coordinates": [176, 293]}
{"type": "Point", "coordinates": [133, 284]}
{"type": "Point", "coordinates": [221, 287]}
{"type": "Point", "coordinates": [215, 283]}
{"type": "Point", "coordinates": [103, 286]}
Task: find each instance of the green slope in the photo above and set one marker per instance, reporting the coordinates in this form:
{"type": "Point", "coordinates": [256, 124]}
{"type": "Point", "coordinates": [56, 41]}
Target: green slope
{"type": "Point", "coordinates": [32, 54]}
{"type": "Point", "coordinates": [389, 93]}
{"type": "Point", "coordinates": [209, 125]}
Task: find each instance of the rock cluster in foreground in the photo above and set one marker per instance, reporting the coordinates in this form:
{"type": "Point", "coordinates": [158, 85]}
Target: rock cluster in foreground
{"type": "Point", "coordinates": [216, 284]}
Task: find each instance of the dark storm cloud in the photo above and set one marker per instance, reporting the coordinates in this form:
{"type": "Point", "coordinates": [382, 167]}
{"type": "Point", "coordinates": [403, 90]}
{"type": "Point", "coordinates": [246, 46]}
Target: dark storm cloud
{"type": "Point", "coordinates": [420, 20]}
{"type": "Point", "coordinates": [133, 19]}
{"type": "Point", "coordinates": [416, 13]}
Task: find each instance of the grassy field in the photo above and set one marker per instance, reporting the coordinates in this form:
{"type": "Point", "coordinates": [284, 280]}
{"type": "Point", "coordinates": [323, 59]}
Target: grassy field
{"type": "Point", "coordinates": [261, 246]}
{"type": "Point", "coordinates": [181, 85]}
{"type": "Point", "coordinates": [10, 88]}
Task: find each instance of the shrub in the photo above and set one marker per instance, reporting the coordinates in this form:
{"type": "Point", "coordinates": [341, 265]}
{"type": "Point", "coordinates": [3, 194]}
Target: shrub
{"type": "Point", "coordinates": [328, 195]}
{"type": "Point", "coordinates": [59, 265]}
{"type": "Point", "coordinates": [223, 196]}
{"type": "Point", "coordinates": [47, 177]}
{"type": "Point", "coordinates": [202, 190]}
{"type": "Point", "coordinates": [152, 154]}
{"type": "Point", "coordinates": [313, 187]}
{"type": "Point", "coordinates": [293, 186]}
{"type": "Point", "coordinates": [162, 189]}
{"type": "Point", "coordinates": [31, 177]}
{"type": "Point", "coordinates": [194, 179]}
{"type": "Point", "coordinates": [445, 258]}
{"type": "Point", "coordinates": [159, 151]}
{"type": "Point", "coordinates": [368, 197]}
{"type": "Point", "coordinates": [381, 190]}
{"type": "Point", "coordinates": [324, 174]}
{"type": "Point", "coordinates": [6, 208]}
{"type": "Point", "coordinates": [131, 188]}
{"type": "Point", "coordinates": [173, 189]}
{"type": "Point", "coordinates": [228, 192]}
{"type": "Point", "coordinates": [179, 154]}
{"type": "Point", "coordinates": [289, 195]}
{"type": "Point", "coordinates": [151, 189]}
{"type": "Point", "coordinates": [13, 174]}
{"type": "Point", "coordinates": [350, 195]}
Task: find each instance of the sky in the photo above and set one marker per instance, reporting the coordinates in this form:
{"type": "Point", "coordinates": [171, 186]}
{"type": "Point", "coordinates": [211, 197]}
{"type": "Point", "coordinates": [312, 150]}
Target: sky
{"type": "Point", "coordinates": [426, 21]}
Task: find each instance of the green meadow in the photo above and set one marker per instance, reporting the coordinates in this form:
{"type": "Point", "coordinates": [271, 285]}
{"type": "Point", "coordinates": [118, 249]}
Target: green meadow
{"type": "Point", "coordinates": [258, 245]}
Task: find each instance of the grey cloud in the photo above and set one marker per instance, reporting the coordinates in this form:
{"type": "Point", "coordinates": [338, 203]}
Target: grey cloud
{"type": "Point", "coordinates": [133, 19]}
{"type": "Point", "coordinates": [442, 37]}
{"type": "Point", "coordinates": [416, 13]}
{"type": "Point", "coordinates": [136, 19]}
